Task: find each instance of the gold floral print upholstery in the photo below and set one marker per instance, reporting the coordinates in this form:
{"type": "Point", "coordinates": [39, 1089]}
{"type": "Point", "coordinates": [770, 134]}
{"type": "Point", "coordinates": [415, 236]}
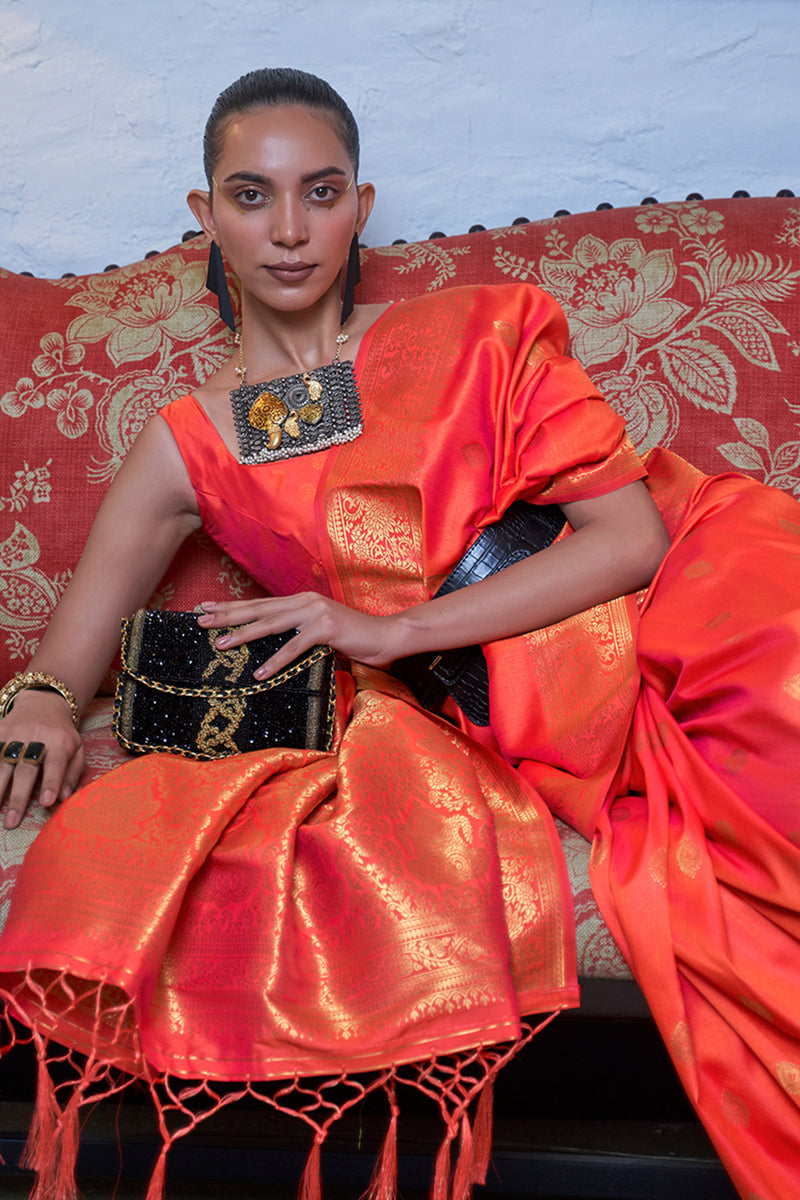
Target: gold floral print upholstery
{"type": "Point", "coordinates": [686, 315]}
{"type": "Point", "coordinates": [85, 362]}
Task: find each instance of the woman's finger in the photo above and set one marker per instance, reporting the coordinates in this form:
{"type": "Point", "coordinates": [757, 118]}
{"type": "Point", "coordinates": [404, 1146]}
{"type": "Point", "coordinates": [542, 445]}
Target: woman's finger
{"type": "Point", "coordinates": [72, 775]}
{"type": "Point", "coordinates": [275, 614]}
{"type": "Point", "coordinates": [21, 785]}
{"type": "Point", "coordinates": [289, 651]}
{"type": "Point", "coordinates": [55, 764]}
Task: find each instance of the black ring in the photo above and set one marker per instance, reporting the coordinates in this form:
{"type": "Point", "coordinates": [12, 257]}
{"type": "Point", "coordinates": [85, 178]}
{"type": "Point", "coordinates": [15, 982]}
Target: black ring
{"type": "Point", "coordinates": [34, 753]}
{"type": "Point", "coordinates": [12, 752]}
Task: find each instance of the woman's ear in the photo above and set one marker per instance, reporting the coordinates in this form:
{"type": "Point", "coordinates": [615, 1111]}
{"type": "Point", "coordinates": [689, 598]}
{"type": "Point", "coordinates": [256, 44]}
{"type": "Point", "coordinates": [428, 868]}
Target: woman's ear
{"type": "Point", "coordinates": [366, 199]}
{"type": "Point", "coordinates": [200, 204]}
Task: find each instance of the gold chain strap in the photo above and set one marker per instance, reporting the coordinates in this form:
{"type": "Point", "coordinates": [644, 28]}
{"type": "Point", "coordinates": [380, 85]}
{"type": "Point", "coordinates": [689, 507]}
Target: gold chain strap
{"type": "Point", "coordinates": [175, 689]}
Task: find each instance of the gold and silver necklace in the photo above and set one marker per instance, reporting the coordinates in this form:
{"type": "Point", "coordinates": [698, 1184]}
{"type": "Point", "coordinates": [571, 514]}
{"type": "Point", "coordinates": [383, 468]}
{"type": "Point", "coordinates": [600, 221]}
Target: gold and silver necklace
{"type": "Point", "coordinates": [297, 414]}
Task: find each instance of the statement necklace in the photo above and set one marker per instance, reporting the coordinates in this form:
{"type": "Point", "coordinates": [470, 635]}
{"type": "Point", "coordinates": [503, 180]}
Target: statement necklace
{"type": "Point", "coordinates": [297, 414]}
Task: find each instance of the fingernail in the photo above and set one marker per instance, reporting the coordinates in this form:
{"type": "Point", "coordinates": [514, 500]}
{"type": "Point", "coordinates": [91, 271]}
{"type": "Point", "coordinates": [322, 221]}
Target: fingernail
{"type": "Point", "coordinates": [223, 641]}
{"type": "Point", "coordinates": [11, 820]}
{"type": "Point", "coordinates": [47, 798]}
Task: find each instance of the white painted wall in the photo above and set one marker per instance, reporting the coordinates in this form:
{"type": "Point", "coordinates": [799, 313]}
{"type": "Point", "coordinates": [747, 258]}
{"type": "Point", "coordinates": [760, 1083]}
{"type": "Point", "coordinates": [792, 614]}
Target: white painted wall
{"type": "Point", "coordinates": [471, 110]}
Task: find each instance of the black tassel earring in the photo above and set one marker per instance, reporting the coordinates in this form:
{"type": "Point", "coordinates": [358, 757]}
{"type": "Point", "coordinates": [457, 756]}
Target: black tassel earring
{"type": "Point", "coordinates": [218, 284]}
{"type": "Point", "coordinates": [352, 277]}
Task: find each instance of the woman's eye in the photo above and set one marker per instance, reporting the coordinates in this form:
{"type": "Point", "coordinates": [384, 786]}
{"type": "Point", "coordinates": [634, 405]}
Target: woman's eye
{"type": "Point", "coordinates": [325, 193]}
{"type": "Point", "coordinates": [250, 197]}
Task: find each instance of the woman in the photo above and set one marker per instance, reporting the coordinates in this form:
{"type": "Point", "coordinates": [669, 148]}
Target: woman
{"type": "Point", "coordinates": [413, 836]}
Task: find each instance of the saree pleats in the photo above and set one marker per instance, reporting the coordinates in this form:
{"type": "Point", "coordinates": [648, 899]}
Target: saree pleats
{"type": "Point", "coordinates": [695, 863]}
{"type": "Point", "coordinates": [232, 920]}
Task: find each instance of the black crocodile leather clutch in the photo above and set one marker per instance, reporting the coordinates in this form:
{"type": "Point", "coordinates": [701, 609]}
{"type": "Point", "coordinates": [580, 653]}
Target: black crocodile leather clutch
{"type": "Point", "coordinates": [522, 531]}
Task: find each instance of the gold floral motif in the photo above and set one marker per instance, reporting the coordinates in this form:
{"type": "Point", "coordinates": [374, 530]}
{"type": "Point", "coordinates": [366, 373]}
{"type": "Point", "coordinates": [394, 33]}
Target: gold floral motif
{"type": "Point", "coordinates": [24, 396]}
{"type": "Point", "coordinates": [792, 687]}
{"type": "Point", "coordinates": [777, 468]}
{"type": "Point", "coordinates": [131, 400]}
{"type": "Point", "coordinates": [57, 355]}
{"type": "Point", "coordinates": [650, 414]}
{"type": "Point", "coordinates": [790, 233]}
{"type": "Point", "coordinates": [426, 254]}
{"type": "Point", "coordinates": [616, 297]}
{"type": "Point", "coordinates": [28, 483]}
{"type": "Point", "coordinates": [141, 309]}
{"type": "Point", "coordinates": [27, 596]}
{"type": "Point", "coordinates": [377, 532]}
{"type": "Point", "coordinates": [71, 404]}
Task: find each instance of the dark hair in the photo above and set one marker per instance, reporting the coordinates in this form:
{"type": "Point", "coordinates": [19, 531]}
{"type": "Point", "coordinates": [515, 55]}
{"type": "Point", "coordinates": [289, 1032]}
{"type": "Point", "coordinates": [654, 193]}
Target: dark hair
{"type": "Point", "coordinates": [277, 86]}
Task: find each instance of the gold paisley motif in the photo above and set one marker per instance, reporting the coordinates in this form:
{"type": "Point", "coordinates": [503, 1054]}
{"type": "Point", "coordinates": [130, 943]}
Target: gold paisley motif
{"type": "Point", "coordinates": [689, 857]}
{"type": "Point", "coordinates": [698, 569]}
{"type": "Point", "coordinates": [657, 867]}
{"type": "Point", "coordinates": [735, 1109]}
{"type": "Point", "coordinates": [789, 1077]}
{"type": "Point", "coordinates": [757, 1008]}
{"type": "Point", "coordinates": [736, 761]}
{"type": "Point", "coordinates": [313, 387]}
{"type": "Point", "coordinates": [719, 619]}
{"type": "Point", "coordinates": [292, 425]}
{"type": "Point", "coordinates": [507, 332]}
{"type": "Point", "coordinates": [792, 687]}
{"type": "Point", "coordinates": [725, 832]}
{"type": "Point", "coordinates": [681, 1044]}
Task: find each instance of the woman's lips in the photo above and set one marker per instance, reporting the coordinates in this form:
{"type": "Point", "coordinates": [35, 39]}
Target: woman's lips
{"type": "Point", "coordinates": [291, 272]}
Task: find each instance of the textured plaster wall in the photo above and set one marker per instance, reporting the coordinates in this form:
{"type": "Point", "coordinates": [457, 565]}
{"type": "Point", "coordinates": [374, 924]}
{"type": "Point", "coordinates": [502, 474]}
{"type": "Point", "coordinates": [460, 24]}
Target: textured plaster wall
{"type": "Point", "coordinates": [471, 110]}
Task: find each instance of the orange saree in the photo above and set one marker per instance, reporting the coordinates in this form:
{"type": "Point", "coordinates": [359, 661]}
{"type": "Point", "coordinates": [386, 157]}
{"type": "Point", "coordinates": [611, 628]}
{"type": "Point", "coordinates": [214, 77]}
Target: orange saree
{"type": "Point", "coordinates": [285, 915]}
{"type": "Point", "coordinates": [208, 925]}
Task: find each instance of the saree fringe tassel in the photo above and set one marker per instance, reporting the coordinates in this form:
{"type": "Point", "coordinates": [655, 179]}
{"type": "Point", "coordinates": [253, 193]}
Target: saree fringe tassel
{"type": "Point", "coordinates": [455, 1083]}
{"type": "Point", "coordinates": [383, 1185]}
{"type": "Point", "coordinates": [311, 1182]}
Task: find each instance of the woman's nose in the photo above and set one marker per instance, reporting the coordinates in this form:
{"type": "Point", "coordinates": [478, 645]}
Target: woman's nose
{"type": "Point", "coordinates": [289, 221]}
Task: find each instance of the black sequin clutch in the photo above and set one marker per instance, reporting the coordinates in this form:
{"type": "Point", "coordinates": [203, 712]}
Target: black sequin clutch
{"type": "Point", "coordinates": [178, 692]}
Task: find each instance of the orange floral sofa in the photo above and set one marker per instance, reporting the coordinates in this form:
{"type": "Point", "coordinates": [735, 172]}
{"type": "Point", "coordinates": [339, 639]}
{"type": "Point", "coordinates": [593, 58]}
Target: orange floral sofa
{"type": "Point", "coordinates": [685, 314]}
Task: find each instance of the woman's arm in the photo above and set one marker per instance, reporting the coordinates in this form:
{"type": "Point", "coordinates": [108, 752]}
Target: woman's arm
{"type": "Point", "coordinates": [148, 511]}
{"type": "Point", "coordinates": [618, 541]}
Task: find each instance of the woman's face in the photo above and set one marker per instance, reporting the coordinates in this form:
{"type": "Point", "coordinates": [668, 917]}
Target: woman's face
{"type": "Point", "coordinates": [284, 205]}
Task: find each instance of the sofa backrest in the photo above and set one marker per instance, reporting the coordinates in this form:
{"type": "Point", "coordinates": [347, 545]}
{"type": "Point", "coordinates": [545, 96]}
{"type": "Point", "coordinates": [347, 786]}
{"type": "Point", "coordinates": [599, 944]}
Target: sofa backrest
{"type": "Point", "coordinates": [686, 315]}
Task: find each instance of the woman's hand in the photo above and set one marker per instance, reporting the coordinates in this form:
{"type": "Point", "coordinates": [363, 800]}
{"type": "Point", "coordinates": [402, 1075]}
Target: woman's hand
{"type": "Point", "coordinates": [317, 619]}
{"type": "Point", "coordinates": [617, 542]}
{"type": "Point", "coordinates": [39, 716]}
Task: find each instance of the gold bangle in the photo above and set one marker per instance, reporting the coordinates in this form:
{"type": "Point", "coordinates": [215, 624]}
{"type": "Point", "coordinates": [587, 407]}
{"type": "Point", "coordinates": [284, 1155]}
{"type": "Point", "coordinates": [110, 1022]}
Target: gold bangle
{"type": "Point", "coordinates": [37, 679]}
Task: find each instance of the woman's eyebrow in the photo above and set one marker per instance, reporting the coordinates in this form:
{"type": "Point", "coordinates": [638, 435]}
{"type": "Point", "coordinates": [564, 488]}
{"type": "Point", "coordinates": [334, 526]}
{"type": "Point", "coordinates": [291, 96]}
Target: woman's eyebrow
{"type": "Point", "coordinates": [266, 181]}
